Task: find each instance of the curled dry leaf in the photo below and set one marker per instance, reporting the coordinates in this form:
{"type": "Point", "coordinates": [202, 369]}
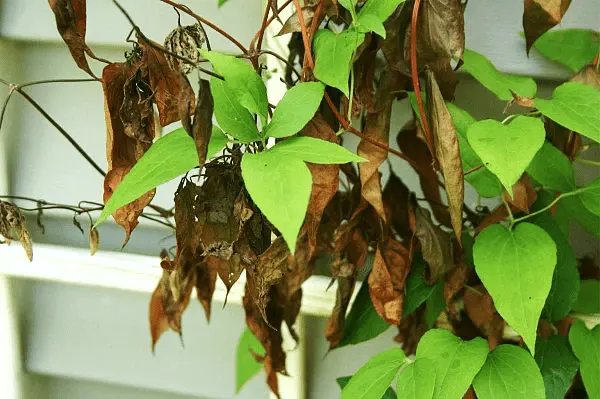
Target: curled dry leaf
{"type": "Point", "coordinates": [480, 308]}
{"type": "Point", "coordinates": [13, 227]}
{"type": "Point", "coordinates": [70, 18]}
{"type": "Point", "coordinates": [410, 331]}
{"type": "Point", "coordinates": [395, 200]}
{"type": "Point", "coordinates": [447, 152]}
{"type": "Point", "coordinates": [496, 216]}
{"type": "Point", "coordinates": [455, 281]}
{"type": "Point", "coordinates": [292, 24]}
{"type": "Point", "coordinates": [166, 83]}
{"type": "Point", "coordinates": [94, 241]}
{"type": "Point", "coordinates": [589, 75]}
{"type": "Point", "coordinates": [325, 181]}
{"type": "Point", "coordinates": [387, 280]}
{"type": "Point", "coordinates": [415, 148]}
{"type": "Point", "coordinates": [185, 41]}
{"type": "Point", "coordinates": [436, 245]}
{"type": "Point", "coordinates": [206, 279]}
{"type": "Point", "coordinates": [541, 15]}
{"type": "Point", "coordinates": [202, 127]}
{"type": "Point", "coordinates": [126, 139]}
{"type": "Point", "coordinates": [524, 195]}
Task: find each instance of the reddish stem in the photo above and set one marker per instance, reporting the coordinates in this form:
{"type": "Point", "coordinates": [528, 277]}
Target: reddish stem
{"type": "Point", "coordinates": [305, 38]}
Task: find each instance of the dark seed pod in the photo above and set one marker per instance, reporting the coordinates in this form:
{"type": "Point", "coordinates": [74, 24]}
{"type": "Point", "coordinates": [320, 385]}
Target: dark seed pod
{"type": "Point", "coordinates": [185, 42]}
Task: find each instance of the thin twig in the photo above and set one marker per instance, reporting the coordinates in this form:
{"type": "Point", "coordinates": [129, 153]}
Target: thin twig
{"type": "Point", "coordinates": [263, 27]}
{"type": "Point", "coordinates": [305, 39]}
{"type": "Point", "coordinates": [40, 82]}
{"type": "Point", "coordinates": [200, 19]}
{"type": "Point", "coordinates": [475, 169]}
{"type": "Point", "coordinates": [280, 58]}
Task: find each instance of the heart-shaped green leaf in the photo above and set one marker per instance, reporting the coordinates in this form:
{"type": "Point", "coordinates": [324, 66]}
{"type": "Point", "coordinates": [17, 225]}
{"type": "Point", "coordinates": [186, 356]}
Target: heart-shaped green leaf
{"type": "Point", "coordinates": [590, 197]}
{"type": "Point", "coordinates": [343, 381]}
{"type": "Point", "coordinates": [586, 346]}
{"type": "Point", "coordinates": [509, 372]}
{"type": "Point", "coordinates": [370, 23]}
{"type": "Point", "coordinates": [507, 150]}
{"type": "Point", "coordinates": [295, 109]}
{"type": "Point", "coordinates": [382, 9]}
{"type": "Point", "coordinates": [516, 268]}
{"type": "Point", "coordinates": [552, 169]}
{"type": "Point", "coordinates": [499, 83]}
{"type": "Point", "coordinates": [456, 361]}
{"type": "Point", "coordinates": [575, 106]}
{"type": "Point", "coordinates": [280, 186]}
{"type": "Point", "coordinates": [574, 48]}
{"type": "Point", "coordinates": [314, 150]}
{"type": "Point", "coordinates": [170, 156]}
{"type": "Point", "coordinates": [333, 53]}
{"type": "Point", "coordinates": [375, 377]}
{"type": "Point", "coordinates": [557, 364]}
{"type": "Point", "coordinates": [417, 380]}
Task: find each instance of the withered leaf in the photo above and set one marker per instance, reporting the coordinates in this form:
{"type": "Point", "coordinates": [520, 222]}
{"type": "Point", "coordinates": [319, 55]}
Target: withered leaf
{"type": "Point", "coordinates": [479, 306]}
{"type": "Point", "coordinates": [169, 300]}
{"type": "Point", "coordinates": [440, 33]}
{"type": "Point", "coordinates": [202, 127]}
{"type": "Point", "coordinates": [524, 195]}
{"type": "Point", "coordinates": [416, 149]}
{"type": "Point", "coordinates": [13, 227]}
{"type": "Point", "coordinates": [395, 200]}
{"type": "Point", "coordinates": [136, 112]}
{"type": "Point", "coordinates": [589, 75]}
{"type": "Point", "coordinates": [94, 241]}
{"type": "Point", "coordinates": [496, 216]}
{"type": "Point", "coordinates": [541, 15]}
{"type": "Point", "coordinates": [165, 82]}
{"type": "Point", "coordinates": [410, 331]}
{"type": "Point", "coordinates": [447, 152]}
{"type": "Point", "coordinates": [455, 281]}
{"type": "Point", "coordinates": [123, 149]}
{"type": "Point", "coordinates": [325, 181]}
{"type": "Point", "coordinates": [70, 18]}
{"type": "Point", "coordinates": [377, 127]}
{"type": "Point", "coordinates": [292, 24]}
{"type": "Point", "coordinates": [206, 278]}
{"type": "Point", "coordinates": [436, 245]}
{"type": "Point", "coordinates": [387, 280]}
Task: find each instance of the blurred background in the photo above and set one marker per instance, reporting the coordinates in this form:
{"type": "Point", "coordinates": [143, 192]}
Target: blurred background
{"type": "Point", "coordinates": [72, 326]}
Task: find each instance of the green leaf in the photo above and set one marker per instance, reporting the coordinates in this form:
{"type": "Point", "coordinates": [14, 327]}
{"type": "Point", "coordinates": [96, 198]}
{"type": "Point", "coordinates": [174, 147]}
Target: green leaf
{"type": "Point", "coordinates": [586, 346]}
{"type": "Point", "coordinates": [495, 81]}
{"type": "Point", "coordinates": [591, 196]}
{"type": "Point", "coordinates": [574, 208]}
{"type": "Point", "coordinates": [588, 300]}
{"type": "Point", "coordinates": [280, 186]}
{"type": "Point", "coordinates": [574, 48]}
{"type": "Point", "coordinates": [509, 372]}
{"type": "Point", "coordinates": [516, 268]}
{"type": "Point", "coordinates": [417, 380]}
{"type": "Point", "coordinates": [314, 150]}
{"type": "Point", "coordinates": [295, 109]}
{"type": "Point", "coordinates": [436, 303]}
{"type": "Point", "coordinates": [565, 279]}
{"type": "Point", "coordinates": [234, 119]}
{"type": "Point", "coordinates": [246, 366]}
{"type": "Point", "coordinates": [333, 53]}
{"type": "Point", "coordinates": [557, 364]}
{"type": "Point", "coordinates": [417, 291]}
{"type": "Point", "coordinates": [170, 156]}
{"type": "Point", "coordinates": [242, 80]}
{"type": "Point", "coordinates": [575, 106]}
{"type": "Point", "coordinates": [507, 150]}
{"type": "Point", "coordinates": [382, 9]}
{"type": "Point", "coordinates": [484, 181]}
{"type": "Point", "coordinates": [370, 23]}
{"type": "Point", "coordinates": [363, 322]}
{"type": "Point", "coordinates": [456, 361]}
{"type": "Point", "coordinates": [343, 381]}
{"type": "Point", "coordinates": [375, 377]}
{"type": "Point", "coordinates": [552, 169]}
{"type": "Point", "coordinates": [221, 2]}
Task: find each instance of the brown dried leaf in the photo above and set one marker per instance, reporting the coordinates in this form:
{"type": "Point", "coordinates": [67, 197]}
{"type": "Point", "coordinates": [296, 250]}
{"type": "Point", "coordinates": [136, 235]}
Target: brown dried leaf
{"type": "Point", "coordinates": [498, 215]}
{"type": "Point", "coordinates": [479, 306]}
{"type": "Point", "coordinates": [524, 195]}
{"type": "Point", "coordinates": [455, 281]}
{"type": "Point", "coordinates": [13, 227]}
{"type": "Point", "coordinates": [387, 280]}
{"type": "Point", "coordinates": [395, 200]}
{"type": "Point", "coordinates": [70, 18]}
{"type": "Point", "coordinates": [541, 15]}
{"type": "Point", "coordinates": [440, 33]}
{"type": "Point", "coordinates": [447, 152]}
{"type": "Point", "coordinates": [136, 111]}
{"type": "Point", "coordinates": [325, 181]}
{"type": "Point", "coordinates": [206, 278]}
{"type": "Point", "coordinates": [410, 331]}
{"type": "Point", "coordinates": [202, 127]}
{"type": "Point", "coordinates": [495, 331]}
{"type": "Point", "coordinates": [589, 75]}
{"type": "Point", "coordinates": [415, 148]}
{"type": "Point", "coordinates": [165, 82]}
{"type": "Point", "coordinates": [292, 24]}
{"type": "Point", "coordinates": [169, 300]}
{"type": "Point", "coordinates": [94, 241]}
{"type": "Point", "coordinates": [436, 245]}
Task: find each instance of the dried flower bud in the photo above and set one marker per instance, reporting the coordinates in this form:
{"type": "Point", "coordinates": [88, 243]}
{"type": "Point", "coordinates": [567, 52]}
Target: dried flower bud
{"type": "Point", "coordinates": [94, 241]}
{"type": "Point", "coordinates": [184, 41]}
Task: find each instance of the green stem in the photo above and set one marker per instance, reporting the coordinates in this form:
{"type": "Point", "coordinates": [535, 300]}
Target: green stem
{"type": "Point", "coordinates": [510, 214]}
{"type": "Point", "coordinates": [549, 206]}
{"type": "Point", "coordinates": [588, 161]}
